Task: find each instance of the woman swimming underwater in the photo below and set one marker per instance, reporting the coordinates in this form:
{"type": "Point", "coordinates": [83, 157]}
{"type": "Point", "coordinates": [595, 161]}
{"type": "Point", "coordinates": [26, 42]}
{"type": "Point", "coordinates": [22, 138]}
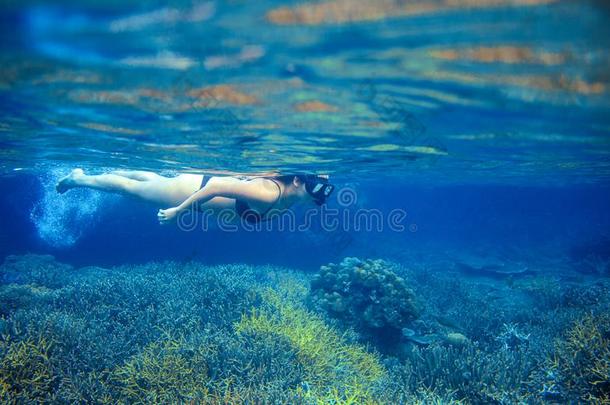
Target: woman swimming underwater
{"type": "Point", "coordinates": [251, 197]}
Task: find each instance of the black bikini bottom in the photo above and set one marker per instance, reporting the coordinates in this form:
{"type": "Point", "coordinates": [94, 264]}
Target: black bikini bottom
{"type": "Point", "coordinates": [204, 181]}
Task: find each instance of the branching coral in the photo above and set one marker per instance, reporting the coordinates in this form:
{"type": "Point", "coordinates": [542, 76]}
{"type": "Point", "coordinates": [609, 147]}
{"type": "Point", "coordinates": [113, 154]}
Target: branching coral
{"type": "Point", "coordinates": [252, 366]}
{"type": "Point", "coordinates": [581, 362]}
{"type": "Point", "coordinates": [26, 369]}
{"type": "Point", "coordinates": [166, 371]}
{"type": "Point", "coordinates": [511, 337]}
{"type": "Point", "coordinates": [35, 269]}
{"type": "Point", "coordinates": [175, 333]}
{"type": "Point", "coordinates": [465, 372]}
{"type": "Point", "coordinates": [366, 294]}
{"type": "Point", "coordinates": [15, 296]}
{"type": "Point", "coordinates": [333, 367]}
{"type": "Point", "coordinates": [545, 291]}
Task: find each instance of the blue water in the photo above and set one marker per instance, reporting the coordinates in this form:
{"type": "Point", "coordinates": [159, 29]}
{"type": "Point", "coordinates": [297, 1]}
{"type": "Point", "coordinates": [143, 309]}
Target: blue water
{"type": "Point", "coordinates": [486, 123]}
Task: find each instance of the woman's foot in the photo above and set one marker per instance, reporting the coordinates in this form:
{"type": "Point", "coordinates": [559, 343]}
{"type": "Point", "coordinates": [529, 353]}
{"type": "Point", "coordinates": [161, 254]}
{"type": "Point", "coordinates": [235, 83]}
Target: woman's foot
{"type": "Point", "coordinates": [66, 183]}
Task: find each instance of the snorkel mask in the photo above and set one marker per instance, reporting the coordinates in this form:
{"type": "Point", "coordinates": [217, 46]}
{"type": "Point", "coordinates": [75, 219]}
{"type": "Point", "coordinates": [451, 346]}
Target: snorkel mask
{"type": "Point", "coordinates": [318, 187]}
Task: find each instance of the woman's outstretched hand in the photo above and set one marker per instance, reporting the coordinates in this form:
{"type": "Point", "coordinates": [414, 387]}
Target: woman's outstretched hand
{"type": "Point", "coordinates": [166, 216]}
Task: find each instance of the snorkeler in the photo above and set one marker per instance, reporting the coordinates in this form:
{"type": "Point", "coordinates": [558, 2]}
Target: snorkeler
{"type": "Point", "coordinates": [251, 198]}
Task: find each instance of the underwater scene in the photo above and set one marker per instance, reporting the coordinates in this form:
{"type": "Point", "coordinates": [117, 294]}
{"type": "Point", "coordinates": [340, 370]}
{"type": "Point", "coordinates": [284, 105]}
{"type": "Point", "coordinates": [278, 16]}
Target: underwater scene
{"type": "Point", "coordinates": [305, 202]}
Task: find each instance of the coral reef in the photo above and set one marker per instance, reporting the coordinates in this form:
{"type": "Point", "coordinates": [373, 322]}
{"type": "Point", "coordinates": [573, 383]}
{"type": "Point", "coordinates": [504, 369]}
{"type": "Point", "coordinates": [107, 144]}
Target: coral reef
{"type": "Point", "coordinates": [41, 270]}
{"type": "Point", "coordinates": [26, 369]}
{"type": "Point", "coordinates": [467, 372]}
{"type": "Point", "coordinates": [333, 368]}
{"type": "Point", "coordinates": [511, 337]}
{"type": "Point", "coordinates": [187, 333]}
{"type": "Point", "coordinates": [14, 296]}
{"type": "Point", "coordinates": [579, 368]}
{"type": "Point", "coordinates": [165, 371]}
{"type": "Point", "coordinates": [457, 339]}
{"type": "Point", "coordinates": [367, 294]}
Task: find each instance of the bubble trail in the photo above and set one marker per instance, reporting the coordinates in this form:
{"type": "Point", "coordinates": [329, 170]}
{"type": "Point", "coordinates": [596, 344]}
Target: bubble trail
{"type": "Point", "coordinates": [62, 219]}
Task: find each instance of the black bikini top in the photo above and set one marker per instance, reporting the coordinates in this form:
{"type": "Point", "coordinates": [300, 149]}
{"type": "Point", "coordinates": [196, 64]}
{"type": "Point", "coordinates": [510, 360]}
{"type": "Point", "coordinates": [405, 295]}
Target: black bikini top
{"type": "Point", "coordinates": [248, 214]}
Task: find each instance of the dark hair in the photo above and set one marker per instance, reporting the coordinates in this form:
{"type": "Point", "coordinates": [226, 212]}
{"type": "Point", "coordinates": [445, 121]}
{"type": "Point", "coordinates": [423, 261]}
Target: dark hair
{"type": "Point", "coordinates": [316, 186]}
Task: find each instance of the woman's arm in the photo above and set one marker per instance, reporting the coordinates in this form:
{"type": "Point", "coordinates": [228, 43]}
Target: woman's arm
{"type": "Point", "coordinates": [228, 187]}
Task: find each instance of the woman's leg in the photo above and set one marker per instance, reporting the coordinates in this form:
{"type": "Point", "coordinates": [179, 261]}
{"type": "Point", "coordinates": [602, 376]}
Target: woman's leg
{"type": "Point", "coordinates": [161, 190]}
{"type": "Point", "coordinates": [138, 175]}
{"type": "Point", "coordinates": [106, 182]}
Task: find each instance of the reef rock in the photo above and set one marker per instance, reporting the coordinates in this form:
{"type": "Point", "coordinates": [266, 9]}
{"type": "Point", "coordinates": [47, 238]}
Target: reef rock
{"type": "Point", "coordinates": [457, 339]}
{"type": "Point", "coordinates": [489, 267]}
{"type": "Point", "coordinates": [366, 294]}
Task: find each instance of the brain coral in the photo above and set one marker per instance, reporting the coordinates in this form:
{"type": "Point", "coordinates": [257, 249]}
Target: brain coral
{"type": "Point", "coordinates": [366, 294]}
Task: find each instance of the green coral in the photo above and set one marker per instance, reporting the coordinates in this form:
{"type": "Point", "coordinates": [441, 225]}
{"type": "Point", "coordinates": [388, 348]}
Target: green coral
{"type": "Point", "coordinates": [244, 334]}
{"type": "Point", "coordinates": [26, 369]}
{"type": "Point", "coordinates": [166, 371]}
{"type": "Point", "coordinates": [581, 362]}
{"type": "Point", "coordinates": [334, 368]}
